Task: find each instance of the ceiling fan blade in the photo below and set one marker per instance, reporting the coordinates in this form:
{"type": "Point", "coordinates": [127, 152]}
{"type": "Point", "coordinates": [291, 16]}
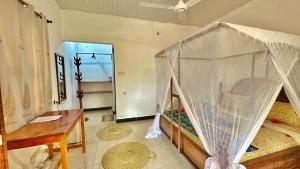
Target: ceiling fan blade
{"type": "Point", "coordinates": [191, 3]}
{"type": "Point", "coordinates": [156, 5]}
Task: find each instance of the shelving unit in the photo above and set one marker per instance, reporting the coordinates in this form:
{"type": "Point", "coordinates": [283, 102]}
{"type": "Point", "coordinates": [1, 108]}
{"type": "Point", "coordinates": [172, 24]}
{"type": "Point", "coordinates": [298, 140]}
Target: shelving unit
{"type": "Point", "coordinates": [94, 74]}
{"type": "Point", "coordinates": [104, 81]}
{"type": "Point", "coordinates": [97, 94]}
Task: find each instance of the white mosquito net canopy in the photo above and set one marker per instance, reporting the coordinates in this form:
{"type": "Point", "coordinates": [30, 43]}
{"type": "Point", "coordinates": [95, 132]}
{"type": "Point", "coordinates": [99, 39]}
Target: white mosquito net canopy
{"type": "Point", "coordinates": [228, 77]}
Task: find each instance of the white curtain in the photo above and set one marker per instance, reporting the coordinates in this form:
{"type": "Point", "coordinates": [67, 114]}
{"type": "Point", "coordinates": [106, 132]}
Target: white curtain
{"type": "Point", "coordinates": [41, 62]}
{"type": "Point", "coordinates": [228, 83]}
{"type": "Point", "coordinates": [25, 75]}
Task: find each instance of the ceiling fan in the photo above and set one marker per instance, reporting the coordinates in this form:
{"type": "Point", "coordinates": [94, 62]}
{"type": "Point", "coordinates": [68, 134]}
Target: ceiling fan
{"type": "Point", "coordinates": [180, 7]}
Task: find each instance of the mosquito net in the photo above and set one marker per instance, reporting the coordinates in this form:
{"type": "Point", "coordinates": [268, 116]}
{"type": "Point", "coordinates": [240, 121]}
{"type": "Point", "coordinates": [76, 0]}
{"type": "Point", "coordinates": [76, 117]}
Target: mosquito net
{"type": "Point", "coordinates": [228, 77]}
{"type": "Point", "coordinates": [163, 85]}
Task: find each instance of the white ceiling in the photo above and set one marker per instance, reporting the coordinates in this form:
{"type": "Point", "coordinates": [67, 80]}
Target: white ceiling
{"type": "Point", "coordinates": [202, 13]}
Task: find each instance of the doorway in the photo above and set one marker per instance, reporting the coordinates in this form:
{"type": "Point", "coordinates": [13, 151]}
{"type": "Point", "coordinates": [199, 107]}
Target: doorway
{"type": "Point", "coordinates": [98, 74]}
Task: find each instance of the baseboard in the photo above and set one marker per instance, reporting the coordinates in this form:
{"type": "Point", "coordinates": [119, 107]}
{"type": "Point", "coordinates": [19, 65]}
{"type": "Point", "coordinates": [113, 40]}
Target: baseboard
{"type": "Point", "coordinates": [135, 119]}
{"type": "Point", "coordinates": [98, 108]}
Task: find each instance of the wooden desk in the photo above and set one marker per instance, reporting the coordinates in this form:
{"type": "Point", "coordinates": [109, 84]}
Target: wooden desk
{"type": "Point", "coordinates": [34, 134]}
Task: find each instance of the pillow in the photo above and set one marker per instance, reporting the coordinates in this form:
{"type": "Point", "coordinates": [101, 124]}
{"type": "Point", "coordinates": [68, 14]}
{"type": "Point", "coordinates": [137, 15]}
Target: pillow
{"type": "Point", "coordinates": [234, 101]}
{"type": "Point", "coordinates": [285, 113]}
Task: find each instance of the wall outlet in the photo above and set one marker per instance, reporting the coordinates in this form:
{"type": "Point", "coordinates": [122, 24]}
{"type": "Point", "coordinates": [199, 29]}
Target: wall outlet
{"type": "Point", "coordinates": [124, 93]}
{"type": "Point", "coordinates": [121, 73]}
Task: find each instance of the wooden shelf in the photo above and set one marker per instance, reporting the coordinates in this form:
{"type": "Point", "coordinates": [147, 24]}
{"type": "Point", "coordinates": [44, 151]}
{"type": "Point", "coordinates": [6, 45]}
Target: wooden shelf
{"type": "Point", "coordinates": [95, 92]}
{"type": "Point", "coordinates": [104, 81]}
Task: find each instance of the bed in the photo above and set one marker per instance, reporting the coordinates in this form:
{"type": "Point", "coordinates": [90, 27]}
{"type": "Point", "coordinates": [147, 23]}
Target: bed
{"type": "Point", "coordinates": [275, 146]}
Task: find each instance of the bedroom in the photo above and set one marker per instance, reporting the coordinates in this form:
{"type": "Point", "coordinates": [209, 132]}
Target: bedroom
{"type": "Point", "coordinates": [137, 34]}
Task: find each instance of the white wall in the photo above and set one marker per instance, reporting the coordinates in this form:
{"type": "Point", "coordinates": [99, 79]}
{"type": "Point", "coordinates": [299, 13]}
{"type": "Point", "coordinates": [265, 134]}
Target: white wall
{"type": "Point", "coordinates": [52, 11]}
{"type": "Point", "coordinates": [135, 43]}
{"type": "Point", "coordinates": [277, 15]}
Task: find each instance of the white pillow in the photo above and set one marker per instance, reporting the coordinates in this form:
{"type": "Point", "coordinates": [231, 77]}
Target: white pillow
{"type": "Point", "coordinates": [235, 102]}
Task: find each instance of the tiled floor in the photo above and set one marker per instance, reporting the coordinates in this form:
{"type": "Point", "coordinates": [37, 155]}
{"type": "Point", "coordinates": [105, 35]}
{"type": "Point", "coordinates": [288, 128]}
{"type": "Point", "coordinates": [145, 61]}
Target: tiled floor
{"type": "Point", "coordinates": [167, 157]}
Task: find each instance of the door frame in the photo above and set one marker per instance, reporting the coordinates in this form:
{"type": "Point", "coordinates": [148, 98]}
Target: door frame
{"type": "Point", "coordinates": [114, 80]}
{"type": "Point", "coordinates": [114, 67]}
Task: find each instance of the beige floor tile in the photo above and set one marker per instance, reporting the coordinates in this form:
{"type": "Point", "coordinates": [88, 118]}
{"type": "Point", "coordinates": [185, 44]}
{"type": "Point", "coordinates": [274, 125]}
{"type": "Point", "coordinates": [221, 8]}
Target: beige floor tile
{"type": "Point", "coordinates": [130, 138]}
{"type": "Point", "coordinates": [167, 156]}
{"type": "Point", "coordinates": [105, 145]}
{"type": "Point", "coordinates": [98, 166]}
{"type": "Point", "coordinates": [98, 157]}
{"type": "Point", "coordinates": [80, 162]}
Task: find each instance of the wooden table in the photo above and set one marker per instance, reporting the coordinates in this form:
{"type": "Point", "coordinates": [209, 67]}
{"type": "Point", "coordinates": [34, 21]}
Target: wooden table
{"type": "Point", "coordinates": [34, 134]}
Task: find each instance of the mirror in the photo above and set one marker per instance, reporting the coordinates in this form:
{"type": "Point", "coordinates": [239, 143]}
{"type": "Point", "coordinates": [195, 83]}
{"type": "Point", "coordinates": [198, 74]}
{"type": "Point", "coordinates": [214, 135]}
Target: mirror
{"type": "Point", "coordinates": [60, 77]}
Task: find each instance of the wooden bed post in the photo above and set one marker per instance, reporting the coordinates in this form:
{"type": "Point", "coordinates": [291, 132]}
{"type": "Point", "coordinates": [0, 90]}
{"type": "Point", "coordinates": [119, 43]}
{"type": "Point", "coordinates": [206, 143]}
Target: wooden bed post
{"type": "Point", "coordinates": [171, 136]}
{"type": "Point", "coordinates": [179, 126]}
{"type": "Point", "coordinates": [3, 146]}
{"type": "Point", "coordinates": [179, 105]}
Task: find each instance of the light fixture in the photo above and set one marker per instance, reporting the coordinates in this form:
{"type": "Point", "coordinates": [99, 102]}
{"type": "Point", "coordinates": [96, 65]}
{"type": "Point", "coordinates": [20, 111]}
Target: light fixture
{"type": "Point", "coordinates": [93, 56]}
{"type": "Point", "coordinates": [181, 7]}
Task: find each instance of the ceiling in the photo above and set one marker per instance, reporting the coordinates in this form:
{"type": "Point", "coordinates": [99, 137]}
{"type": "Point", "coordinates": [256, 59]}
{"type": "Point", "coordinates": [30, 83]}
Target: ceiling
{"type": "Point", "coordinates": [202, 13]}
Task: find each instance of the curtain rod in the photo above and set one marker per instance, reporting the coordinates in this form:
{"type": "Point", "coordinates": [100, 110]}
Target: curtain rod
{"type": "Point", "coordinates": [93, 53]}
{"type": "Point", "coordinates": [25, 4]}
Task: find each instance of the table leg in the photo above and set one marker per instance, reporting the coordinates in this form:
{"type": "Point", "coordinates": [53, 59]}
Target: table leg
{"type": "Point", "coordinates": [82, 133]}
{"type": "Point", "coordinates": [64, 152]}
{"type": "Point", "coordinates": [50, 148]}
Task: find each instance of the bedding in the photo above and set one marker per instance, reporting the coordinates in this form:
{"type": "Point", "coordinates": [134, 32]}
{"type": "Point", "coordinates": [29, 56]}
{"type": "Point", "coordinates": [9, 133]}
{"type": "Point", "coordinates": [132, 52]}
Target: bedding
{"type": "Point", "coordinates": [284, 113]}
{"type": "Point", "coordinates": [186, 127]}
{"type": "Point", "coordinates": [285, 129]}
{"type": "Point", "coordinates": [269, 141]}
{"type": "Point", "coordinates": [266, 142]}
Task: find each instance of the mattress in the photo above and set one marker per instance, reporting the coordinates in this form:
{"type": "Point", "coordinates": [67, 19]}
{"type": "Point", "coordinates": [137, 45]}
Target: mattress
{"type": "Point", "coordinates": [267, 140]}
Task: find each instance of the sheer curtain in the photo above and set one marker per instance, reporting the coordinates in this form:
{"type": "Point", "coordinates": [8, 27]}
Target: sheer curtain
{"type": "Point", "coordinates": [25, 75]}
{"type": "Point", "coordinates": [41, 60]}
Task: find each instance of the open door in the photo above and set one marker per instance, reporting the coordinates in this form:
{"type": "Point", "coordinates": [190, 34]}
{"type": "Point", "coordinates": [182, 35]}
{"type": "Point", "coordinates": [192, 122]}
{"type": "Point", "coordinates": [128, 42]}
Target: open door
{"type": "Point", "coordinates": [3, 146]}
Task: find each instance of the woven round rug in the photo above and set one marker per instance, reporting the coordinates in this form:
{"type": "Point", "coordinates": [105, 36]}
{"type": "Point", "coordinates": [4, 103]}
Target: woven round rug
{"type": "Point", "coordinates": [114, 132]}
{"type": "Point", "coordinates": [130, 155]}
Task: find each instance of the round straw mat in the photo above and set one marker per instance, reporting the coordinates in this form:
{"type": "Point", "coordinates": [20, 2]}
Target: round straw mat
{"type": "Point", "coordinates": [130, 155]}
{"type": "Point", "coordinates": [113, 132]}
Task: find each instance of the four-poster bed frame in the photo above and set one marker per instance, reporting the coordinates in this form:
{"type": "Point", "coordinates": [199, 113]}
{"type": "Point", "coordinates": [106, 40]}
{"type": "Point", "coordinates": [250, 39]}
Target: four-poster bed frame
{"type": "Point", "coordinates": [288, 158]}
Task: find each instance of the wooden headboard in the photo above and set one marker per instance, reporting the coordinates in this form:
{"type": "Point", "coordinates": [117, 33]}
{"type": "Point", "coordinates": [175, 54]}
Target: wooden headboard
{"type": "Point", "coordinates": [282, 97]}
